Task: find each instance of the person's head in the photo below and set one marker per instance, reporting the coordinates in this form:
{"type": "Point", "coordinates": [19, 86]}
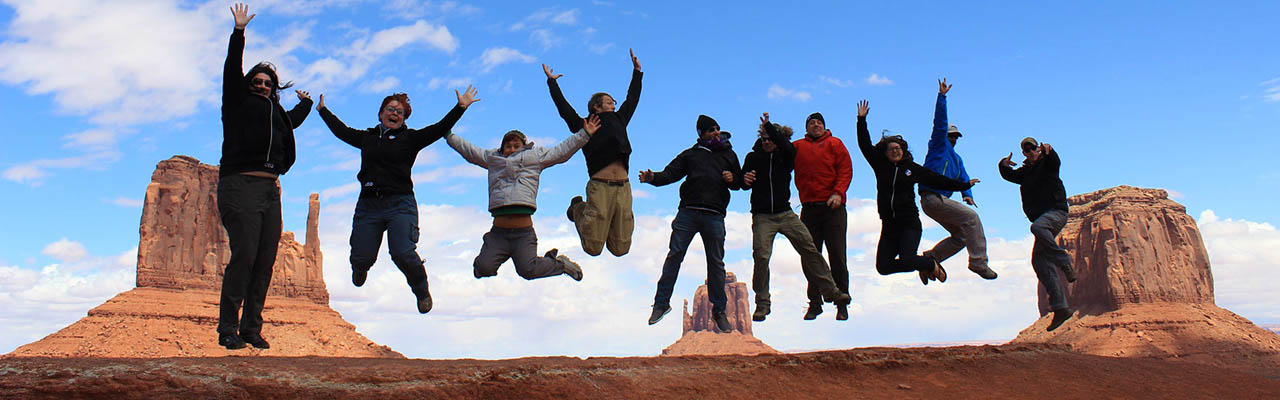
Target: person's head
{"type": "Point", "coordinates": [767, 144]}
{"type": "Point", "coordinates": [815, 125]}
{"type": "Point", "coordinates": [708, 128]}
{"type": "Point", "coordinates": [601, 102]}
{"type": "Point", "coordinates": [263, 80]}
{"type": "Point", "coordinates": [1031, 150]}
{"type": "Point", "coordinates": [394, 111]}
{"type": "Point", "coordinates": [894, 148]}
{"type": "Point", "coordinates": [953, 134]}
{"type": "Point", "coordinates": [513, 142]}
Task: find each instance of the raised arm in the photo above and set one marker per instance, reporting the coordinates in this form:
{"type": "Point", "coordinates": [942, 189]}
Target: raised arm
{"type": "Point", "coordinates": [864, 136]}
{"type": "Point", "coordinates": [628, 106]}
{"type": "Point", "coordinates": [433, 132]}
{"type": "Point", "coordinates": [470, 152]}
{"type": "Point", "coordinates": [339, 129]}
{"type": "Point", "coordinates": [564, 151]}
{"type": "Point", "coordinates": [1051, 157]}
{"type": "Point", "coordinates": [1008, 173]}
{"type": "Point", "coordinates": [301, 110]}
{"type": "Point", "coordinates": [674, 171]}
{"type": "Point", "coordinates": [785, 147]}
{"type": "Point", "coordinates": [566, 111]}
{"type": "Point", "coordinates": [938, 139]}
{"type": "Point", "coordinates": [234, 87]}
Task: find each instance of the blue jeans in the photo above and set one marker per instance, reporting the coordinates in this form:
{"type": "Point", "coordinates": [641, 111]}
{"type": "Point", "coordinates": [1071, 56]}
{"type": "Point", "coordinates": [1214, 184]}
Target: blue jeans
{"type": "Point", "coordinates": [397, 215]}
{"type": "Point", "coordinates": [1047, 256]}
{"type": "Point", "coordinates": [710, 226]}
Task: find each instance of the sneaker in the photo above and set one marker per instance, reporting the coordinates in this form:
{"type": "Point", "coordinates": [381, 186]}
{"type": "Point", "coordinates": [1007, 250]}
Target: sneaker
{"type": "Point", "coordinates": [814, 310]}
{"type": "Point", "coordinates": [838, 298]}
{"type": "Point", "coordinates": [256, 340]}
{"type": "Point", "coordinates": [925, 277]}
{"type": "Point", "coordinates": [424, 304]}
{"type": "Point", "coordinates": [572, 203]}
{"type": "Point", "coordinates": [1069, 272]}
{"type": "Point", "coordinates": [570, 268]}
{"type": "Point", "coordinates": [552, 253]}
{"type": "Point", "coordinates": [761, 312]}
{"type": "Point", "coordinates": [1059, 317]}
{"type": "Point", "coordinates": [722, 322]}
{"type": "Point", "coordinates": [358, 277]}
{"type": "Point", "coordinates": [231, 342]}
{"type": "Point", "coordinates": [842, 312]}
{"type": "Point", "coordinates": [983, 271]}
{"type": "Point", "coordinates": [939, 273]}
{"type": "Point", "coordinates": [659, 311]}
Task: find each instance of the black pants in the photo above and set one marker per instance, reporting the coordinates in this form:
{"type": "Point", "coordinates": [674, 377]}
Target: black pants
{"type": "Point", "coordinates": [828, 225]}
{"type": "Point", "coordinates": [899, 241]}
{"type": "Point", "coordinates": [250, 208]}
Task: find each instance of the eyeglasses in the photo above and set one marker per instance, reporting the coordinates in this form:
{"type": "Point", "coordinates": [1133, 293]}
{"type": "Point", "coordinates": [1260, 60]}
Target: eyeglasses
{"type": "Point", "coordinates": [260, 81]}
{"type": "Point", "coordinates": [899, 149]}
{"type": "Point", "coordinates": [1028, 149]}
{"type": "Point", "coordinates": [394, 110]}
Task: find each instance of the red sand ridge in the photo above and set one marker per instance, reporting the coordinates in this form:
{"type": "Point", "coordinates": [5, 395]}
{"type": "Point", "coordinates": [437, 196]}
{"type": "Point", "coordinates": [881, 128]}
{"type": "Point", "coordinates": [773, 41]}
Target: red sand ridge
{"type": "Point", "coordinates": [700, 336]}
{"type": "Point", "coordinates": [182, 252]}
{"type": "Point", "coordinates": [1145, 288]}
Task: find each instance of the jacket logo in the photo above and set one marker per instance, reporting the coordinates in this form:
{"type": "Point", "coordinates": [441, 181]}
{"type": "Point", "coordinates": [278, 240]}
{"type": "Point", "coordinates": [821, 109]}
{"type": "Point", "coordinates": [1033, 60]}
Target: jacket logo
{"type": "Point", "coordinates": [908, 172]}
{"type": "Point", "coordinates": [392, 137]}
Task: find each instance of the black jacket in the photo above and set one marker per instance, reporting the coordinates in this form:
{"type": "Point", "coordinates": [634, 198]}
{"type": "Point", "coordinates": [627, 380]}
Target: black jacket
{"type": "Point", "coordinates": [1041, 187]}
{"type": "Point", "coordinates": [771, 191]}
{"type": "Point", "coordinates": [257, 133]}
{"type": "Point", "coordinates": [387, 156]}
{"type": "Point", "coordinates": [704, 186]}
{"type": "Point", "coordinates": [895, 183]}
{"type": "Point", "coordinates": [610, 143]}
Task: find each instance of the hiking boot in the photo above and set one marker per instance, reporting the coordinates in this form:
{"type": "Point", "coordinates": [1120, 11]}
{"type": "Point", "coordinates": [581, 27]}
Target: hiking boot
{"type": "Point", "coordinates": [939, 273]}
{"type": "Point", "coordinates": [814, 310]}
{"type": "Point", "coordinates": [842, 312]}
{"type": "Point", "coordinates": [572, 203]}
{"type": "Point", "coordinates": [761, 311]}
{"type": "Point", "coordinates": [1069, 272]}
{"type": "Point", "coordinates": [838, 298]}
{"type": "Point", "coordinates": [983, 271]}
{"type": "Point", "coordinates": [570, 268]}
{"type": "Point", "coordinates": [424, 304]}
{"type": "Point", "coordinates": [659, 311]}
{"type": "Point", "coordinates": [231, 342]}
{"type": "Point", "coordinates": [358, 277]}
{"type": "Point", "coordinates": [256, 340]}
{"type": "Point", "coordinates": [925, 276]}
{"type": "Point", "coordinates": [722, 322]}
{"type": "Point", "coordinates": [1059, 316]}
{"type": "Point", "coordinates": [552, 253]}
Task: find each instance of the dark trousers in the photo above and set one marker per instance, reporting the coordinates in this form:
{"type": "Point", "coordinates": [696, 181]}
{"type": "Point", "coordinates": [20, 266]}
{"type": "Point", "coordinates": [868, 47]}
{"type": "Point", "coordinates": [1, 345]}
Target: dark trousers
{"type": "Point", "coordinates": [1047, 257]}
{"type": "Point", "coordinates": [828, 225]}
{"type": "Point", "coordinates": [519, 245]}
{"type": "Point", "coordinates": [899, 241]}
{"type": "Point", "coordinates": [710, 226]}
{"type": "Point", "coordinates": [250, 210]}
{"type": "Point", "coordinates": [397, 215]}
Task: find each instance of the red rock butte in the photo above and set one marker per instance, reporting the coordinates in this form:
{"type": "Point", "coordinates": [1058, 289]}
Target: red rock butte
{"type": "Point", "coordinates": [182, 251]}
{"type": "Point", "coordinates": [700, 336]}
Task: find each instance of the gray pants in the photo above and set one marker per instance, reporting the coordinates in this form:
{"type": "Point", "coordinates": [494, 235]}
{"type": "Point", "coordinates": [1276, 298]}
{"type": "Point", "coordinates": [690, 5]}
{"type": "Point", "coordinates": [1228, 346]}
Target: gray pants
{"type": "Point", "coordinates": [521, 246]}
{"type": "Point", "coordinates": [764, 227]}
{"type": "Point", "coordinates": [963, 224]}
{"type": "Point", "coordinates": [1047, 257]}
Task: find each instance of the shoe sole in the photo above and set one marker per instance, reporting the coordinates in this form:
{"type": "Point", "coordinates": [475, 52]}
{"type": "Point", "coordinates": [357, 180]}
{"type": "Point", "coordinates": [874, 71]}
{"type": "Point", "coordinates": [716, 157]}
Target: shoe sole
{"type": "Point", "coordinates": [1053, 326]}
{"type": "Point", "coordinates": [983, 273]}
{"type": "Point", "coordinates": [572, 269]}
{"type": "Point", "coordinates": [664, 313]}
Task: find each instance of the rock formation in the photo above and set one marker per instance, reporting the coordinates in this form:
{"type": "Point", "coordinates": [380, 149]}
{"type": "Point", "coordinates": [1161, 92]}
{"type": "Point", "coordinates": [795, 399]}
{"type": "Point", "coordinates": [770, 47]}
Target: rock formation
{"type": "Point", "coordinates": [182, 252]}
{"type": "Point", "coordinates": [700, 336]}
{"type": "Point", "coordinates": [1145, 288]}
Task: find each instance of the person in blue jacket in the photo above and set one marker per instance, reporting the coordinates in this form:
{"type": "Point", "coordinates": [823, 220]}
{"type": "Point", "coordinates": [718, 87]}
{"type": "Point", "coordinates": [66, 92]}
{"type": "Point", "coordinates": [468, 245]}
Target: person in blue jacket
{"type": "Point", "coordinates": [962, 222]}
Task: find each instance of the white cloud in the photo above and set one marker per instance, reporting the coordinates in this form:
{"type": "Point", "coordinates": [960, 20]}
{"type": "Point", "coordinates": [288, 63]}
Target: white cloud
{"type": "Point", "coordinates": [126, 202]}
{"type": "Point", "coordinates": [1272, 91]}
{"type": "Point", "coordinates": [495, 56]}
{"type": "Point", "coordinates": [544, 38]}
{"type": "Point", "coordinates": [566, 18]}
{"type": "Point", "coordinates": [877, 80]}
{"type": "Point", "coordinates": [458, 83]}
{"type": "Point", "coordinates": [600, 48]}
{"type": "Point", "coordinates": [381, 85]}
{"type": "Point", "coordinates": [835, 82]}
{"type": "Point", "coordinates": [569, 17]}
{"type": "Point", "coordinates": [779, 92]}
{"type": "Point", "coordinates": [65, 250]}
{"type": "Point", "coordinates": [39, 302]}
{"type": "Point", "coordinates": [1241, 254]}
{"type": "Point", "coordinates": [354, 61]}
{"type": "Point", "coordinates": [413, 9]}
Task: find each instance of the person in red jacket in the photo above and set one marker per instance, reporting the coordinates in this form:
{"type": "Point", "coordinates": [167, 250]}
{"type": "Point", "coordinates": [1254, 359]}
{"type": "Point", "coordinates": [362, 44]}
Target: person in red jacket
{"type": "Point", "coordinates": [823, 172]}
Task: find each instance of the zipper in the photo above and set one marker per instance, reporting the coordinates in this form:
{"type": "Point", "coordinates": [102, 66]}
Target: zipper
{"type": "Point", "coordinates": [771, 205]}
{"type": "Point", "coordinates": [893, 214]}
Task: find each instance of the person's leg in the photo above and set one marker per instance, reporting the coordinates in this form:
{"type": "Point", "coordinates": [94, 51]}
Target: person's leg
{"type": "Point", "coordinates": [763, 231]}
{"type": "Point", "coordinates": [592, 219]}
{"type": "Point", "coordinates": [814, 219]}
{"type": "Point", "coordinates": [495, 251]}
{"type": "Point", "coordinates": [524, 252]}
{"type": "Point", "coordinates": [402, 241]}
{"type": "Point", "coordinates": [260, 280]}
{"type": "Point", "coordinates": [367, 226]}
{"type": "Point", "coordinates": [1048, 275]}
{"type": "Point", "coordinates": [909, 244]}
{"type": "Point", "coordinates": [836, 230]}
{"type": "Point", "coordinates": [683, 227]}
{"type": "Point", "coordinates": [816, 271]}
{"type": "Point", "coordinates": [243, 224]}
{"type": "Point", "coordinates": [942, 211]}
{"type": "Point", "coordinates": [712, 231]}
{"type": "Point", "coordinates": [1045, 229]}
{"type": "Point", "coordinates": [887, 261]}
{"type": "Point", "coordinates": [623, 221]}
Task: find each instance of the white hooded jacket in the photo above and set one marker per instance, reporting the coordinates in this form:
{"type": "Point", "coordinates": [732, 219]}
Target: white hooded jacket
{"type": "Point", "coordinates": [514, 180]}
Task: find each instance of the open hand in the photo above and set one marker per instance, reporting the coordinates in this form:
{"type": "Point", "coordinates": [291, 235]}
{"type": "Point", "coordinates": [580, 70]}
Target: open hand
{"type": "Point", "coordinates": [320, 105]}
{"type": "Point", "coordinates": [863, 108]}
{"type": "Point", "coordinates": [592, 124]}
{"type": "Point", "coordinates": [969, 201]}
{"type": "Point", "coordinates": [635, 62]}
{"type": "Point", "coordinates": [465, 99]}
{"type": "Point", "coordinates": [303, 95]}
{"type": "Point", "coordinates": [241, 13]}
{"type": "Point", "coordinates": [749, 177]}
{"type": "Point", "coordinates": [943, 87]}
{"type": "Point", "coordinates": [550, 75]}
{"type": "Point", "coordinates": [646, 176]}
{"type": "Point", "coordinates": [973, 182]}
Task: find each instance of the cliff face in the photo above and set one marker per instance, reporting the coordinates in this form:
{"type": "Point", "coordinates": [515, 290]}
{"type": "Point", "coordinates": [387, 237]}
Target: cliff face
{"type": "Point", "coordinates": [700, 337]}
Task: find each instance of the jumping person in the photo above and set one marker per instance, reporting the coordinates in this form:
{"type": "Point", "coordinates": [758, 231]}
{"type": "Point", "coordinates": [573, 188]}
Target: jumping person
{"type": "Point", "coordinates": [710, 170]}
{"type": "Point", "coordinates": [514, 171]}
{"type": "Point", "coordinates": [767, 172]}
{"type": "Point", "coordinates": [961, 222]}
{"type": "Point", "coordinates": [257, 147]}
{"type": "Point", "coordinates": [1044, 200]}
{"type": "Point", "coordinates": [896, 176]}
{"type": "Point", "coordinates": [605, 218]}
{"type": "Point", "coordinates": [387, 204]}
{"type": "Point", "coordinates": [823, 173]}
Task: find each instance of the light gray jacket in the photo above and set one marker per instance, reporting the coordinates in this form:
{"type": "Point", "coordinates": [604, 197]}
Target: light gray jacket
{"type": "Point", "coordinates": [514, 180]}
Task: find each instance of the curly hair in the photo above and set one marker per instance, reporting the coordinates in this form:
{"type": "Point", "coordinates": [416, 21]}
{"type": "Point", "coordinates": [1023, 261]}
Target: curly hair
{"type": "Point", "coordinates": [883, 145]}
{"type": "Point", "coordinates": [786, 130]}
{"type": "Point", "coordinates": [404, 103]}
{"type": "Point", "coordinates": [269, 69]}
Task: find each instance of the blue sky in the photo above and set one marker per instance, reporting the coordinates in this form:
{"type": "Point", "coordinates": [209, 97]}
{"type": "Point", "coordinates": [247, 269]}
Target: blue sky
{"type": "Point", "coordinates": [1179, 95]}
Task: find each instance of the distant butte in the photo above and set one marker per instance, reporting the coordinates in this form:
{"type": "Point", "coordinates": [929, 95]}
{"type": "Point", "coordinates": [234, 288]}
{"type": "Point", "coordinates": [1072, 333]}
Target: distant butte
{"type": "Point", "coordinates": [699, 336]}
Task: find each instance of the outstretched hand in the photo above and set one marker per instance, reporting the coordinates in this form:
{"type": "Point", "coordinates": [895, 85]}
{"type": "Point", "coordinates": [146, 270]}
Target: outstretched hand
{"type": "Point", "coordinates": [646, 176]}
{"type": "Point", "coordinates": [764, 119]}
{"type": "Point", "coordinates": [1045, 149]}
{"type": "Point", "coordinates": [635, 62]}
{"type": "Point", "coordinates": [1008, 161]}
{"type": "Point", "coordinates": [241, 13]}
{"type": "Point", "coordinates": [550, 75]}
{"type": "Point", "coordinates": [303, 95]}
{"type": "Point", "coordinates": [943, 87]}
{"type": "Point", "coordinates": [969, 201]}
{"type": "Point", "coordinates": [465, 99]}
{"type": "Point", "coordinates": [863, 108]}
{"type": "Point", "coordinates": [973, 182]}
{"type": "Point", "coordinates": [320, 105]}
{"type": "Point", "coordinates": [592, 124]}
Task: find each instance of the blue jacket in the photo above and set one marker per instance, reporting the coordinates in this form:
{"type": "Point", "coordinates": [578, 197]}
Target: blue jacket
{"type": "Point", "coordinates": [942, 157]}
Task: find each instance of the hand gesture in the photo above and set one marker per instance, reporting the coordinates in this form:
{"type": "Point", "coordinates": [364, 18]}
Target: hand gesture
{"type": "Point", "coordinates": [320, 105]}
{"type": "Point", "coordinates": [303, 95]}
{"type": "Point", "coordinates": [646, 176]}
{"type": "Point", "coordinates": [834, 201]}
{"type": "Point", "coordinates": [727, 176]}
{"type": "Point", "coordinates": [764, 119]}
{"type": "Point", "coordinates": [465, 99]}
{"type": "Point", "coordinates": [1045, 149]}
{"type": "Point", "coordinates": [1008, 161]}
{"type": "Point", "coordinates": [635, 62]}
{"type": "Point", "coordinates": [969, 201]}
{"type": "Point", "coordinates": [241, 13]}
{"type": "Point", "coordinates": [973, 182]}
{"type": "Point", "coordinates": [750, 177]}
{"type": "Point", "coordinates": [863, 108]}
{"type": "Point", "coordinates": [550, 75]}
{"type": "Point", "coordinates": [592, 124]}
{"type": "Point", "coordinates": [943, 87]}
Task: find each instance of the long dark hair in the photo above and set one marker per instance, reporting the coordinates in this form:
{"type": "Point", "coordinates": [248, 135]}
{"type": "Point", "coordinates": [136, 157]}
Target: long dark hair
{"type": "Point", "coordinates": [270, 70]}
{"type": "Point", "coordinates": [597, 100]}
{"type": "Point", "coordinates": [883, 145]}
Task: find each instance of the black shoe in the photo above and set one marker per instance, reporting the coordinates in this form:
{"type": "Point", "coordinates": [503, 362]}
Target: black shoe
{"type": "Point", "coordinates": [424, 304]}
{"type": "Point", "coordinates": [573, 202]}
{"type": "Point", "coordinates": [761, 312]}
{"type": "Point", "coordinates": [814, 310]}
{"type": "Point", "coordinates": [842, 312]}
{"type": "Point", "coordinates": [722, 322]}
{"type": "Point", "coordinates": [984, 272]}
{"type": "Point", "coordinates": [659, 311]}
{"type": "Point", "coordinates": [231, 342]}
{"type": "Point", "coordinates": [358, 277]}
{"type": "Point", "coordinates": [570, 268]}
{"type": "Point", "coordinates": [1069, 272]}
{"type": "Point", "coordinates": [839, 298]}
{"type": "Point", "coordinates": [256, 340]}
{"type": "Point", "coordinates": [1059, 316]}
{"type": "Point", "coordinates": [552, 253]}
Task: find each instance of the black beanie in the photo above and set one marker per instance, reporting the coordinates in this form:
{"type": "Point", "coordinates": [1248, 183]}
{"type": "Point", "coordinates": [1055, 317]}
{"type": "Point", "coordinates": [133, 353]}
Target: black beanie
{"type": "Point", "coordinates": [705, 123]}
{"type": "Point", "coordinates": [817, 116]}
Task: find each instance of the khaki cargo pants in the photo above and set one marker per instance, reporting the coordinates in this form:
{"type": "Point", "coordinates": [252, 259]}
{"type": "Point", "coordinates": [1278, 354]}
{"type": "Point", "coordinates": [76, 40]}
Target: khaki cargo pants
{"type": "Point", "coordinates": [605, 218]}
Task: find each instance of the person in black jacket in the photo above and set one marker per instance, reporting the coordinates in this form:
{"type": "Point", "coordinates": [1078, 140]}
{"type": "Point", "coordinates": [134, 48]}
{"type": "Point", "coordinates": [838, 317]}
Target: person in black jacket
{"type": "Point", "coordinates": [767, 172]}
{"type": "Point", "coordinates": [710, 170]}
{"type": "Point", "coordinates": [896, 177]}
{"type": "Point", "coordinates": [1044, 200]}
{"type": "Point", "coordinates": [605, 218]}
{"type": "Point", "coordinates": [387, 204]}
{"type": "Point", "coordinates": [257, 147]}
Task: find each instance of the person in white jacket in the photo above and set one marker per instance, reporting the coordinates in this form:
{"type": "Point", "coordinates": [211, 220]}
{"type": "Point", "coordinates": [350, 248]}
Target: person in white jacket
{"type": "Point", "coordinates": [514, 171]}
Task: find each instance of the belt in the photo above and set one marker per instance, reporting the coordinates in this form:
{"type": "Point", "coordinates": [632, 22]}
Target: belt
{"type": "Point", "coordinates": [611, 182]}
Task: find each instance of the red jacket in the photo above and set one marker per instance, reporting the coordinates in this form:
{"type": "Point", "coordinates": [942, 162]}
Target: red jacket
{"type": "Point", "coordinates": [823, 168]}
